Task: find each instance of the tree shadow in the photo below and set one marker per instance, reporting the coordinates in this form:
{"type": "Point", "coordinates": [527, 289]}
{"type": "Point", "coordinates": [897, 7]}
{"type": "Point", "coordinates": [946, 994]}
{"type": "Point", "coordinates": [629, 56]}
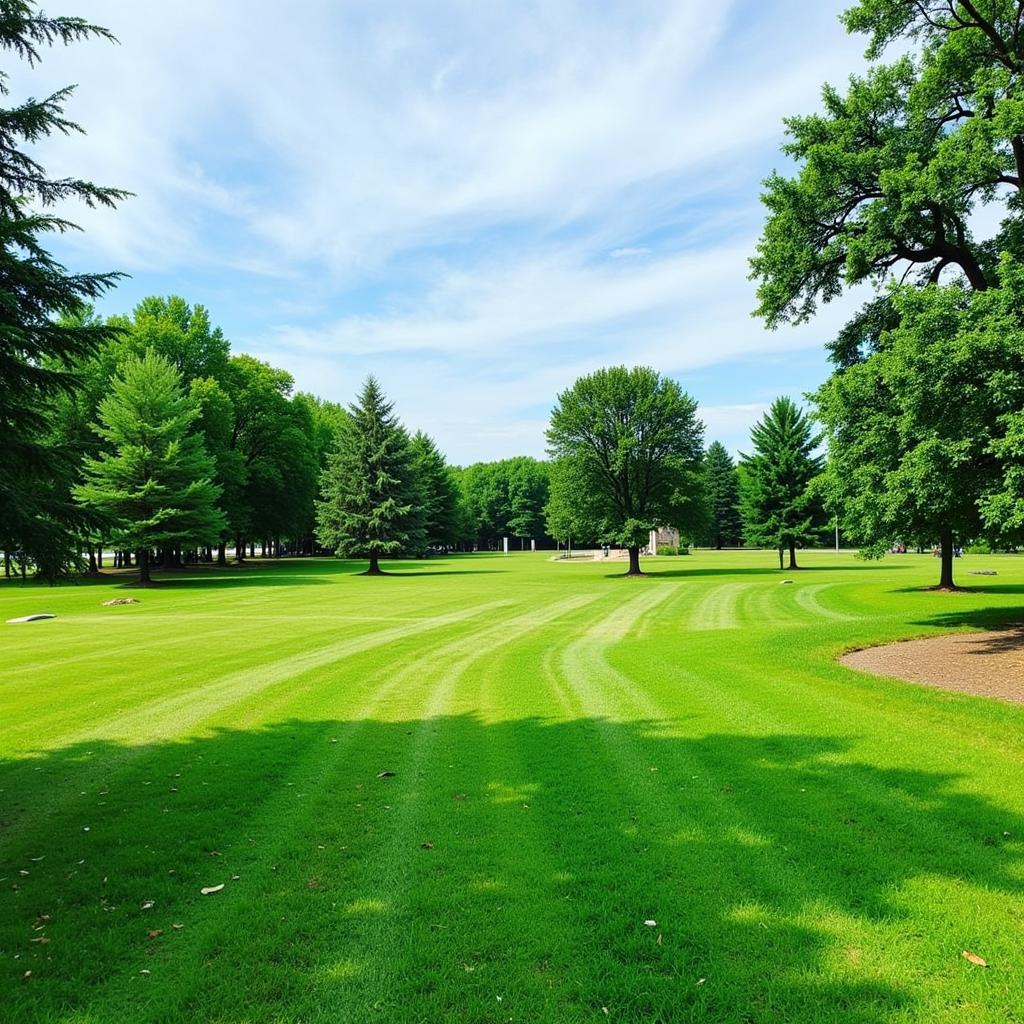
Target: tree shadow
{"type": "Point", "coordinates": [516, 859]}
{"type": "Point", "coordinates": [699, 571]}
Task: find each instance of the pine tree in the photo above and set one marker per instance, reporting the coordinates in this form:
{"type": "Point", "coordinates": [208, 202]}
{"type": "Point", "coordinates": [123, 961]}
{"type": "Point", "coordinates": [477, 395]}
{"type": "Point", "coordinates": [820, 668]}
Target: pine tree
{"type": "Point", "coordinates": [155, 482]}
{"type": "Point", "coordinates": [778, 506]}
{"type": "Point", "coordinates": [369, 508]}
{"type": "Point", "coordinates": [41, 326]}
{"type": "Point", "coordinates": [722, 488]}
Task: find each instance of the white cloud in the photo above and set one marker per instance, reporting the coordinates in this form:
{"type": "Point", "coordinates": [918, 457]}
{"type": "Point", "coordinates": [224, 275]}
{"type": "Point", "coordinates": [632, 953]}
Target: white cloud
{"type": "Point", "coordinates": [478, 201]}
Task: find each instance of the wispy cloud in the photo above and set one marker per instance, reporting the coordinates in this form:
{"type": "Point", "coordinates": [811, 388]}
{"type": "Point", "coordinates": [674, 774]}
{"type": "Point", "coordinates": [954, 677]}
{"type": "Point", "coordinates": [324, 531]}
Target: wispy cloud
{"type": "Point", "coordinates": [483, 199]}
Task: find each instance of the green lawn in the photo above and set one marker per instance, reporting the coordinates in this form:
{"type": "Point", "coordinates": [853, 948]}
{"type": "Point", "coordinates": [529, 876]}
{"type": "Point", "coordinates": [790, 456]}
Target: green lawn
{"type": "Point", "coordinates": [574, 754]}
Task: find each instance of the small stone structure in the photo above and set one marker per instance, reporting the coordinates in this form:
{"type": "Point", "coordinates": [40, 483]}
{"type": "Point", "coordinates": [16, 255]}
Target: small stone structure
{"type": "Point", "coordinates": [663, 535]}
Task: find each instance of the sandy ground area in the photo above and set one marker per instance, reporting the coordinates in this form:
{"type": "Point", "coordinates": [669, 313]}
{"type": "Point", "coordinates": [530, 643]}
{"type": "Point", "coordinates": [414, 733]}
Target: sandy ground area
{"type": "Point", "coordinates": [986, 664]}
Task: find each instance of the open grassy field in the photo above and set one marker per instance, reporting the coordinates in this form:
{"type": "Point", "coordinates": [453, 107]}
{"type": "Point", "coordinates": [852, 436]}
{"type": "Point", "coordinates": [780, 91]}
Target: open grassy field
{"type": "Point", "coordinates": [574, 756]}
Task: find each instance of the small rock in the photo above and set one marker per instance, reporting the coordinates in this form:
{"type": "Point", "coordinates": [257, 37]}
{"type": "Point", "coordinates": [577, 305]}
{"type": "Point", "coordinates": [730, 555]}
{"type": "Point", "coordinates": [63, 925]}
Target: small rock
{"type": "Point", "coordinates": [121, 600]}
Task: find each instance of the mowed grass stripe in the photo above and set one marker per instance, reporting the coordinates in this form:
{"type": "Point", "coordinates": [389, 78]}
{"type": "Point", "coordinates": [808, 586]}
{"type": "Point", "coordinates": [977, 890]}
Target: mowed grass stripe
{"type": "Point", "coordinates": [842, 841]}
{"type": "Point", "coordinates": [291, 819]}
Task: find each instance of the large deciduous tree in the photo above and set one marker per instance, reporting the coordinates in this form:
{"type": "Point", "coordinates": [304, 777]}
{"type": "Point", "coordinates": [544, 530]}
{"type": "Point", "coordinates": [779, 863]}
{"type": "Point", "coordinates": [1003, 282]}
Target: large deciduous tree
{"type": "Point", "coordinates": [41, 326]}
{"type": "Point", "coordinates": [779, 507]}
{"type": "Point", "coordinates": [154, 484]}
{"type": "Point", "coordinates": [629, 443]}
{"type": "Point", "coordinates": [892, 173]}
{"type": "Point", "coordinates": [368, 504]}
{"type": "Point", "coordinates": [925, 434]}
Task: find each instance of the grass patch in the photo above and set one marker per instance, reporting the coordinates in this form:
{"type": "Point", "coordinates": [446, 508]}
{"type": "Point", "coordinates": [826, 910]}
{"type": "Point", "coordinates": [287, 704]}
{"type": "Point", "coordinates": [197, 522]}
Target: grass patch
{"type": "Point", "coordinates": [572, 756]}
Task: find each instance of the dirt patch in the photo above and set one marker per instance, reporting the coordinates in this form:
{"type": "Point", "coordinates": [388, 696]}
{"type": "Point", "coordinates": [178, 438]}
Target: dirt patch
{"type": "Point", "coordinates": [984, 664]}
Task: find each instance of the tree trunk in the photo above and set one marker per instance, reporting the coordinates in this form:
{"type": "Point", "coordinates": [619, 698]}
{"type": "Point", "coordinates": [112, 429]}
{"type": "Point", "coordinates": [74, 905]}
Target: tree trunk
{"type": "Point", "coordinates": [92, 561]}
{"type": "Point", "coordinates": [946, 571]}
{"type": "Point", "coordinates": [222, 553]}
{"type": "Point", "coordinates": [143, 562]}
{"type": "Point", "coordinates": [781, 566]}
{"type": "Point", "coordinates": [792, 555]}
{"type": "Point", "coordinates": [239, 549]}
{"type": "Point", "coordinates": [7, 565]}
{"type": "Point", "coordinates": [374, 569]}
{"type": "Point", "coordinates": [634, 562]}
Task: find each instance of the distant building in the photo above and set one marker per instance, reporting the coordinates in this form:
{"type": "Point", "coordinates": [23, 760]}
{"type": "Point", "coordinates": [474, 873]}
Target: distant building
{"type": "Point", "coordinates": [663, 536]}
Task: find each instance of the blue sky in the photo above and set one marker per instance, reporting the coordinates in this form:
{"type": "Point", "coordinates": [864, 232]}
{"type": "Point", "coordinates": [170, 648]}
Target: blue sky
{"type": "Point", "coordinates": [477, 202]}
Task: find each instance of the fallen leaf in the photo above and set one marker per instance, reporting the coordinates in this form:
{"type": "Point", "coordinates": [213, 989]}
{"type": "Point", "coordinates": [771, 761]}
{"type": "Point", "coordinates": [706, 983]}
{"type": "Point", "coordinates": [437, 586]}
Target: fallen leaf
{"type": "Point", "coordinates": [459, 796]}
{"type": "Point", "coordinates": [974, 958]}
{"type": "Point", "coordinates": [651, 924]}
{"type": "Point", "coordinates": [27, 974]}
{"type": "Point", "coordinates": [212, 889]}
{"type": "Point", "coordinates": [155, 932]}
{"type": "Point", "coordinates": [659, 938]}
{"type": "Point", "coordinates": [386, 774]}
{"type": "Point", "coordinates": [426, 846]}
{"type": "Point", "coordinates": [143, 971]}
{"type": "Point", "coordinates": [177, 926]}
{"type": "Point", "coordinates": [148, 905]}
{"type": "Point", "coordinates": [700, 981]}
{"type": "Point", "coordinates": [41, 939]}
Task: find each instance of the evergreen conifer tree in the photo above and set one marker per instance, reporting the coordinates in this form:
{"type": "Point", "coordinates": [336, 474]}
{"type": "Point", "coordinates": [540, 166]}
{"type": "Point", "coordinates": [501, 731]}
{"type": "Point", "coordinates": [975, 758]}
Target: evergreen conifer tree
{"type": "Point", "coordinates": [368, 506]}
{"type": "Point", "coordinates": [722, 488]}
{"type": "Point", "coordinates": [41, 303]}
{"type": "Point", "coordinates": [438, 492]}
{"type": "Point", "coordinates": [154, 484]}
{"type": "Point", "coordinates": [778, 506]}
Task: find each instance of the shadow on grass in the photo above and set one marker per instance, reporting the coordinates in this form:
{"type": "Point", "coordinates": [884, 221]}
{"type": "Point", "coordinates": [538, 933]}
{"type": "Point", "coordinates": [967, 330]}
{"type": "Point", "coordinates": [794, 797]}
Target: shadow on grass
{"type": "Point", "coordinates": [516, 859]}
{"type": "Point", "coordinates": [699, 571]}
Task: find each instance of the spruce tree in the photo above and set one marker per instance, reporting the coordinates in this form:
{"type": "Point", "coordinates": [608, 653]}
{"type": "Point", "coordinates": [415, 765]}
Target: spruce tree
{"type": "Point", "coordinates": [779, 507]}
{"type": "Point", "coordinates": [154, 484]}
{"type": "Point", "coordinates": [722, 487]}
{"type": "Point", "coordinates": [368, 506]}
{"type": "Point", "coordinates": [41, 326]}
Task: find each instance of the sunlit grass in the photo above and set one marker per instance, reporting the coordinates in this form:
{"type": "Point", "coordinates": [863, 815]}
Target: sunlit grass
{"type": "Point", "coordinates": [573, 755]}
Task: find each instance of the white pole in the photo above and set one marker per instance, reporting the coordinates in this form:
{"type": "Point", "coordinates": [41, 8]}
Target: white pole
{"type": "Point", "coordinates": [505, 544]}
{"type": "Point", "coordinates": [837, 534]}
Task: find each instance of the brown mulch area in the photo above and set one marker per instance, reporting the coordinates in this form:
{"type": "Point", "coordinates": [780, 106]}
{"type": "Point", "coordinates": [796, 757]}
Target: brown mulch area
{"type": "Point", "coordinates": [984, 664]}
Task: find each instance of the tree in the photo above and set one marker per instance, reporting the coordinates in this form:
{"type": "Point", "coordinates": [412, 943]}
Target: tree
{"type": "Point", "coordinates": [437, 492]}
{"type": "Point", "coordinates": [41, 326]}
{"type": "Point", "coordinates": [723, 497]}
{"type": "Point", "coordinates": [368, 508]}
{"type": "Point", "coordinates": [779, 507]}
{"type": "Point", "coordinates": [565, 515]}
{"type": "Point", "coordinates": [892, 174]}
{"type": "Point", "coordinates": [155, 484]}
{"type": "Point", "coordinates": [631, 445]}
{"type": "Point", "coordinates": [924, 436]}
{"type": "Point", "coordinates": [527, 495]}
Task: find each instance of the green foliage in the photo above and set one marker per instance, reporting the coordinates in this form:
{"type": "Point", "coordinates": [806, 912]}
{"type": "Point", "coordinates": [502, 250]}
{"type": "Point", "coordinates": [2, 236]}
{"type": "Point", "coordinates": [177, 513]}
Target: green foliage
{"type": "Point", "coordinates": [437, 493]}
{"type": "Point", "coordinates": [506, 498]}
{"type": "Point", "coordinates": [672, 549]}
{"type": "Point", "coordinates": [778, 504]}
{"type": "Point", "coordinates": [154, 484]}
{"type": "Point", "coordinates": [722, 487]}
{"type": "Point", "coordinates": [276, 440]}
{"type": "Point", "coordinates": [182, 334]}
{"type": "Point", "coordinates": [41, 304]}
{"type": "Point", "coordinates": [893, 169]}
{"type": "Point", "coordinates": [630, 445]}
{"type": "Point", "coordinates": [368, 506]}
{"type": "Point", "coordinates": [924, 435]}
